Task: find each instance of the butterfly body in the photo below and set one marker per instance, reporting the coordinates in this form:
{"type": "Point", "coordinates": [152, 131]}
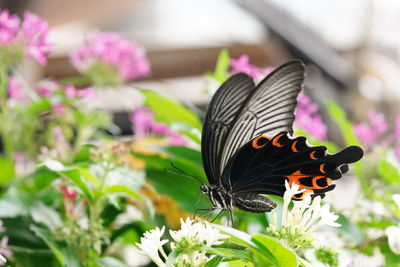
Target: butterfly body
{"type": "Point", "coordinates": [248, 149]}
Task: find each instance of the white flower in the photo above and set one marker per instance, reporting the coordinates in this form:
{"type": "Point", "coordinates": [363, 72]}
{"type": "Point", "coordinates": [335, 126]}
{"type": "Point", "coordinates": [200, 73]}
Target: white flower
{"type": "Point", "coordinates": [194, 239]}
{"type": "Point", "coordinates": [393, 234]}
{"type": "Point", "coordinates": [303, 219]}
{"type": "Point", "coordinates": [2, 259]}
{"type": "Point", "coordinates": [195, 235]}
{"type": "Point", "coordinates": [396, 199]}
{"type": "Point", "coordinates": [151, 244]}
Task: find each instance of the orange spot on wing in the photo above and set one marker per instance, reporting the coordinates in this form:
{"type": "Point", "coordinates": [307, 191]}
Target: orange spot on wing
{"type": "Point", "coordinates": [294, 146]}
{"type": "Point", "coordinates": [256, 140]}
{"type": "Point", "coordinates": [322, 168]}
{"type": "Point", "coordinates": [312, 156]}
{"type": "Point", "coordinates": [276, 139]}
{"type": "Point", "coordinates": [297, 175]}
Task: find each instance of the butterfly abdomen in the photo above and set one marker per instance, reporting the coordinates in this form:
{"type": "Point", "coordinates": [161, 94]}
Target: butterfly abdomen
{"type": "Point", "coordinates": [253, 203]}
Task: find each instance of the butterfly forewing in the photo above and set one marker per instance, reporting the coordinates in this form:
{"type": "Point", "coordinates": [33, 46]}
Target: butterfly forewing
{"type": "Point", "coordinates": [220, 115]}
{"type": "Point", "coordinates": [268, 109]}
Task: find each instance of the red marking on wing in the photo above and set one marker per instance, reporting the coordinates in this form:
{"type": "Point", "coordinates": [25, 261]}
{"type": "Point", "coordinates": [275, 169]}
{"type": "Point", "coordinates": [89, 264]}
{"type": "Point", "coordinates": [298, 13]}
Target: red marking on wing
{"type": "Point", "coordinates": [276, 139]}
{"type": "Point", "coordinates": [312, 156]}
{"type": "Point", "coordinates": [257, 139]}
{"type": "Point", "coordinates": [322, 168]}
{"type": "Point", "coordinates": [294, 149]}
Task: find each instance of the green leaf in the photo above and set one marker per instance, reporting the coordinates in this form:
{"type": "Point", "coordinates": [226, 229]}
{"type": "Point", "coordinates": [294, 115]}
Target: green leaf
{"type": "Point", "coordinates": [43, 214]}
{"type": "Point", "coordinates": [388, 172]}
{"type": "Point", "coordinates": [285, 257]}
{"type": "Point", "coordinates": [214, 262]}
{"type": "Point", "coordinates": [7, 171]}
{"type": "Point", "coordinates": [350, 231]}
{"type": "Point", "coordinates": [221, 71]}
{"type": "Point", "coordinates": [63, 253]}
{"type": "Point", "coordinates": [187, 130]}
{"type": "Point", "coordinates": [110, 262]}
{"type": "Point", "coordinates": [75, 176]}
{"type": "Point", "coordinates": [122, 189]}
{"type": "Point", "coordinates": [169, 111]}
{"type": "Point", "coordinates": [338, 115]}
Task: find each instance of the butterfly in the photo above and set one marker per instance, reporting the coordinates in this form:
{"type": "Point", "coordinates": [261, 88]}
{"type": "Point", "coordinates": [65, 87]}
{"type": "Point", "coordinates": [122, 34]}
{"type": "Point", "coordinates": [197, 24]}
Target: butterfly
{"type": "Point", "coordinates": [248, 149]}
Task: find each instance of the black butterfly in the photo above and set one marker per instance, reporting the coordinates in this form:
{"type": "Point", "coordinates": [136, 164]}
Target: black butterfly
{"type": "Point", "coordinates": [247, 147]}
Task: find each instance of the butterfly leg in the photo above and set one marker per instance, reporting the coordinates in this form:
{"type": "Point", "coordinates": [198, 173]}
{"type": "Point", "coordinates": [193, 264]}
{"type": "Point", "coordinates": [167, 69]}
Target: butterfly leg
{"type": "Point", "coordinates": [222, 210]}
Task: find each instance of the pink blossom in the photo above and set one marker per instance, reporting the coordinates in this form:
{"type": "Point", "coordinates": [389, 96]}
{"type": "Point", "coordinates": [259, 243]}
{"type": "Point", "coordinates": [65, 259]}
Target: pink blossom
{"type": "Point", "coordinates": [34, 34]}
{"type": "Point", "coordinates": [59, 108]}
{"type": "Point", "coordinates": [86, 93]}
{"type": "Point", "coordinates": [378, 122]}
{"type": "Point", "coordinates": [9, 25]}
{"type": "Point", "coordinates": [14, 89]}
{"type": "Point", "coordinates": [143, 125]}
{"type": "Point", "coordinates": [124, 56]}
{"type": "Point", "coordinates": [70, 91]}
{"type": "Point", "coordinates": [308, 118]}
{"type": "Point", "coordinates": [366, 134]}
{"type": "Point", "coordinates": [46, 88]}
{"type": "Point", "coordinates": [4, 251]}
{"type": "Point", "coordinates": [242, 65]}
{"type": "Point", "coordinates": [397, 127]}
{"type": "Point", "coordinates": [369, 133]}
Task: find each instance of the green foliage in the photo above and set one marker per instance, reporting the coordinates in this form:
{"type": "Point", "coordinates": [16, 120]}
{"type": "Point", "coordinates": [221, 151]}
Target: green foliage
{"type": "Point", "coordinates": [221, 73]}
{"type": "Point", "coordinates": [176, 112]}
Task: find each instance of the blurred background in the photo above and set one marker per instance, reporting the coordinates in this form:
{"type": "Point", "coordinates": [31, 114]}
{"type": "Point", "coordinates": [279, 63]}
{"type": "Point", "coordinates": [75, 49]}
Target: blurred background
{"type": "Point", "coordinates": [351, 46]}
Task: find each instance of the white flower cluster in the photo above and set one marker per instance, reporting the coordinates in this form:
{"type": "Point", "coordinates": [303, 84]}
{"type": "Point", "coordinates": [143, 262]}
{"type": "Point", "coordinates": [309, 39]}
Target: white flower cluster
{"type": "Point", "coordinates": [191, 241]}
{"type": "Point", "coordinates": [304, 218]}
{"type": "Point", "coordinates": [393, 232]}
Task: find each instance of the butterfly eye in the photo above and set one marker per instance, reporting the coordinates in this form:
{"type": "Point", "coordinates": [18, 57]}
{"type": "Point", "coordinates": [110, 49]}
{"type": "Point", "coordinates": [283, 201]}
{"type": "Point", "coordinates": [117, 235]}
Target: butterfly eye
{"type": "Point", "coordinates": [204, 189]}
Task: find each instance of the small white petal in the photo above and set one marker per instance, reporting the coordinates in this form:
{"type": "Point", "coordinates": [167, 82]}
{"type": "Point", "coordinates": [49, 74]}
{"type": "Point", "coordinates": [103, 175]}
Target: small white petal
{"type": "Point", "coordinates": [396, 199]}
{"type": "Point", "coordinates": [54, 165]}
{"type": "Point", "coordinates": [393, 234]}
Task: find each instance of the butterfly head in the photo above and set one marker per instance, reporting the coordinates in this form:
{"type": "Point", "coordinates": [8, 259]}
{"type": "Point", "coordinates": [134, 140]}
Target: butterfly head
{"type": "Point", "coordinates": [205, 189]}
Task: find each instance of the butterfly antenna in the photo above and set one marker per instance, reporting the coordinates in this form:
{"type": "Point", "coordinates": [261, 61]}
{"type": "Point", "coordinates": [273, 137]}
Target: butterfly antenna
{"type": "Point", "coordinates": [182, 173]}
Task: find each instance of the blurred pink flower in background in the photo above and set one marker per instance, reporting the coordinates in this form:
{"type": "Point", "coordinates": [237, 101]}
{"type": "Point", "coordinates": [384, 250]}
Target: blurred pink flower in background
{"type": "Point", "coordinates": [14, 89]}
{"type": "Point", "coordinates": [46, 88]}
{"type": "Point", "coordinates": [32, 35]}
{"type": "Point", "coordinates": [143, 125]}
{"type": "Point", "coordinates": [370, 133]}
{"type": "Point", "coordinates": [59, 108]}
{"type": "Point", "coordinates": [73, 92]}
{"type": "Point", "coordinates": [9, 25]}
{"type": "Point", "coordinates": [4, 250]}
{"type": "Point", "coordinates": [126, 57]}
{"type": "Point", "coordinates": [242, 65]}
{"type": "Point", "coordinates": [308, 117]}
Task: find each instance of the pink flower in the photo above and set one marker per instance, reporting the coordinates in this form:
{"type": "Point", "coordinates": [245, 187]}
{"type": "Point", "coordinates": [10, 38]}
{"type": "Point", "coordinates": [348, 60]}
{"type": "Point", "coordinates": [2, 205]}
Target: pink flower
{"type": "Point", "coordinates": [9, 25]}
{"type": "Point", "coordinates": [72, 92]}
{"type": "Point", "coordinates": [369, 133]}
{"type": "Point", "coordinates": [366, 134]}
{"type": "Point", "coordinates": [143, 125]}
{"type": "Point", "coordinates": [4, 251]}
{"type": "Point", "coordinates": [242, 65]}
{"type": "Point", "coordinates": [59, 108]}
{"type": "Point", "coordinates": [124, 56]}
{"type": "Point", "coordinates": [378, 122]}
{"type": "Point", "coordinates": [34, 34]}
{"type": "Point", "coordinates": [46, 88]}
{"type": "Point", "coordinates": [31, 35]}
{"type": "Point", "coordinates": [15, 90]}
{"type": "Point", "coordinates": [86, 93]}
{"type": "Point", "coordinates": [308, 118]}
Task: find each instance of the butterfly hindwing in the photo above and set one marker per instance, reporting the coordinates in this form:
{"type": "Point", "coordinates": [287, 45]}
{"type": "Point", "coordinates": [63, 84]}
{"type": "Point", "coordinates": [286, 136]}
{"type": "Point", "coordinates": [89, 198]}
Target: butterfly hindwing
{"type": "Point", "coordinates": [265, 163]}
